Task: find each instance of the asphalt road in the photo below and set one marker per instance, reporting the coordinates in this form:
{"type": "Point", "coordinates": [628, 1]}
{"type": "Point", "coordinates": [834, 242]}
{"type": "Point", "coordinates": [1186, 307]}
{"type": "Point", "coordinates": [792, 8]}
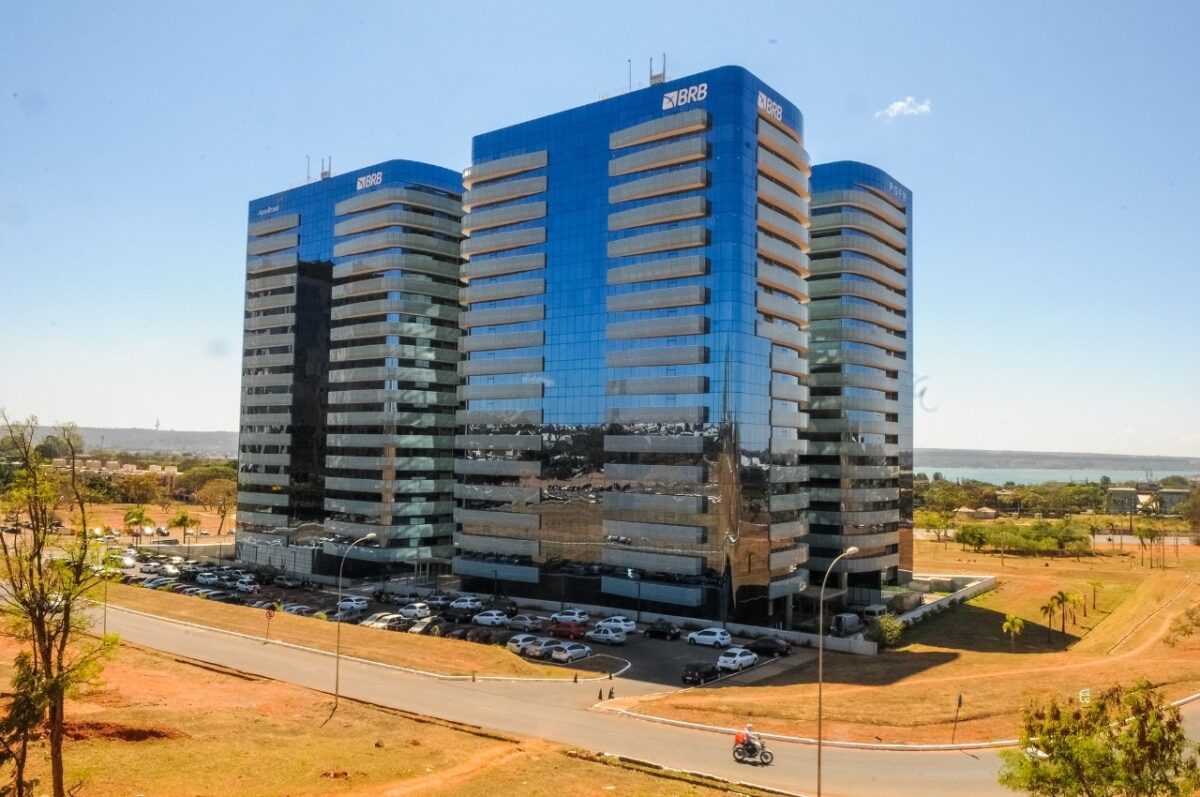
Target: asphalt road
{"type": "Point", "coordinates": [562, 713]}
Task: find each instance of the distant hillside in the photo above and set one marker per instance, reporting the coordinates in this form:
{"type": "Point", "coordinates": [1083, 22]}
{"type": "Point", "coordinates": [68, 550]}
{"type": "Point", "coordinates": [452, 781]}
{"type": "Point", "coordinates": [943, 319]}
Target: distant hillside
{"type": "Point", "coordinates": [967, 458]}
{"type": "Point", "coordinates": [158, 441]}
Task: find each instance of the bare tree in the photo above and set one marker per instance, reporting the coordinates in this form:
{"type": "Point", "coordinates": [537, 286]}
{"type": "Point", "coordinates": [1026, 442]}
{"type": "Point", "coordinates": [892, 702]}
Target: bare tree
{"type": "Point", "coordinates": [45, 584]}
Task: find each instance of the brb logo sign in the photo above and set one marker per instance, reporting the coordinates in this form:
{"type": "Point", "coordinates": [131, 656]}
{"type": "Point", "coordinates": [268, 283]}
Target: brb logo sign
{"type": "Point", "coordinates": [368, 181]}
{"type": "Point", "coordinates": [681, 97]}
{"type": "Point", "coordinates": [770, 107]}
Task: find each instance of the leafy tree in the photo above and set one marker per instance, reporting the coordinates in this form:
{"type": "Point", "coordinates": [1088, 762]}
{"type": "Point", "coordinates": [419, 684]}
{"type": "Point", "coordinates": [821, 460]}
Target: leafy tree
{"type": "Point", "coordinates": [1013, 626]}
{"type": "Point", "coordinates": [971, 535]}
{"type": "Point", "coordinates": [885, 630]}
{"type": "Point", "coordinates": [1125, 743]}
{"type": "Point", "coordinates": [141, 488]}
{"type": "Point", "coordinates": [193, 480]}
{"type": "Point", "coordinates": [54, 447]}
{"type": "Point", "coordinates": [221, 496]}
{"type": "Point", "coordinates": [937, 522]}
{"type": "Point", "coordinates": [45, 583]}
{"type": "Point", "coordinates": [1189, 510]}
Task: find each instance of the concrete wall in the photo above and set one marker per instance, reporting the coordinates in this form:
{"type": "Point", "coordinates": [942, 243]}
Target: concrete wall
{"type": "Point", "coordinates": [966, 587]}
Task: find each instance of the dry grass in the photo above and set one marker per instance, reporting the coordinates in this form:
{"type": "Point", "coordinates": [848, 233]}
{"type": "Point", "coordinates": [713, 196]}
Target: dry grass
{"type": "Point", "coordinates": [446, 656]}
{"type": "Point", "coordinates": [159, 725]}
{"type": "Point", "coordinates": [964, 652]}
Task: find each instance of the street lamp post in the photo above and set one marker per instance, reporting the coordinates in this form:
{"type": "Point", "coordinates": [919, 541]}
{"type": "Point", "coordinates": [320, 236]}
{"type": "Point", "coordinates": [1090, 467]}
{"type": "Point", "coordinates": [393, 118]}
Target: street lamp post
{"type": "Point", "coordinates": [337, 649]}
{"type": "Point", "coordinates": [821, 658]}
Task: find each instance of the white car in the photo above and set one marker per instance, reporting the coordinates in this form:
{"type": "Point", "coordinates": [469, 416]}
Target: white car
{"type": "Point", "coordinates": [609, 636]}
{"type": "Point", "coordinates": [736, 660]}
{"type": "Point", "coordinates": [466, 602]}
{"type": "Point", "coordinates": [416, 611]}
{"type": "Point", "coordinates": [518, 643]}
{"type": "Point", "coordinates": [618, 623]}
{"type": "Point", "coordinates": [491, 617]}
{"type": "Point", "coordinates": [352, 602]}
{"type": "Point", "coordinates": [570, 616]}
{"type": "Point", "coordinates": [713, 637]}
{"type": "Point", "coordinates": [247, 587]}
{"type": "Point", "coordinates": [570, 651]}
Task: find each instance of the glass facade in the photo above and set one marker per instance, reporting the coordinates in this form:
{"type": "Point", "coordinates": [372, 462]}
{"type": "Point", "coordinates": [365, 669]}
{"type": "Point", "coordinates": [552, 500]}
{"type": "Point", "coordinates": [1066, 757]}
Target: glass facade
{"type": "Point", "coordinates": [635, 338]}
{"type": "Point", "coordinates": [350, 358]}
{"type": "Point", "coordinates": [860, 427]}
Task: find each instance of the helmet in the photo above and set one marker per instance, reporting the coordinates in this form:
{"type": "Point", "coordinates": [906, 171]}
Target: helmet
{"type": "Point", "coordinates": [749, 726]}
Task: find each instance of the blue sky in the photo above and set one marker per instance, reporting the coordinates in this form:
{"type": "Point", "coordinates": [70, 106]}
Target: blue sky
{"type": "Point", "coordinates": [1051, 148]}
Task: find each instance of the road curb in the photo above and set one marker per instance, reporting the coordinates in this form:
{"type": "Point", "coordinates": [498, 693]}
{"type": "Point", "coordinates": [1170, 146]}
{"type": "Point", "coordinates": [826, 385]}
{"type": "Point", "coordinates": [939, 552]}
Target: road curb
{"type": "Point", "coordinates": [385, 665]}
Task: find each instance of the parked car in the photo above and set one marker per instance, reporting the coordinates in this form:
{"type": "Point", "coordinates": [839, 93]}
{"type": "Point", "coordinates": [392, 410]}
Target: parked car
{"type": "Point", "coordinates": [771, 646]}
{"type": "Point", "coordinates": [570, 615]}
{"type": "Point", "coordinates": [663, 629]}
{"type": "Point", "coordinates": [481, 635]}
{"type": "Point", "coordinates": [506, 605]}
{"type": "Point", "coordinates": [713, 637]}
{"type": "Point", "coordinates": [700, 672]}
{"type": "Point", "coordinates": [570, 651]}
{"type": "Point", "coordinates": [437, 601]}
{"type": "Point", "coordinates": [618, 623]}
{"type": "Point", "coordinates": [456, 633]}
{"type": "Point", "coordinates": [287, 582]}
{"type": "Point", "coordinates": [378, 620]}
{"type": "Point", "coordinates": [219, 595]}
{"type": "Point", "coordinates": [491, 617]}
{"type": "Point", "coordinates": [415, 611]}
{"type": "Point", "coordinates": [353, 602]}
{"type": "Point", "coordinates": [519, 643]}
{"type": "Point", "coordinates": [466, 602]}
{"type": "Point", "coordinates": [298, 608]}
{"type": "Point", "coordinates": [542, 648]}
{"type": "Point", "coordinates": [347, 616]}
{"type": "Point", "coordinates": [247, 587]}
{"type": "Point", "coordinates": [397, 623]}
{"type": "Point", "coordinates": [525, 622]}
{"type": "Point", "coordinates": [609, 636]}
{"type": "Point", "coordinates": [151, 567]}
{"type": "Point", "coordinates": [192, 591]}
{"type": "Point", "coordinates": [207, 579]}
{"type": "Point", "coordinates": [568, 630]}
{"type": "Point", "coordinates": [736, 660]}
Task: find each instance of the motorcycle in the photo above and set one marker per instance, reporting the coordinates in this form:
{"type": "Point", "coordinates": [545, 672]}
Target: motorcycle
{"type": "Point", "coordinates": [744, 754]}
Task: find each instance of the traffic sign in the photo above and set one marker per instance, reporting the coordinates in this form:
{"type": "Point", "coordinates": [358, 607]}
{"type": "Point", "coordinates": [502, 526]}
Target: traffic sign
{"type": "Point", "coordinates": [270, 613]}
{"type": "Point", "coordinates": [1085, 697]}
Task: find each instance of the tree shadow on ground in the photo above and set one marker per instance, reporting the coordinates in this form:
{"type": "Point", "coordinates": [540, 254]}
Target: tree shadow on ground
{"type": "Point", "coordinates": [843, 668]}
{"type": "Point", "coordinates": [978, 629]}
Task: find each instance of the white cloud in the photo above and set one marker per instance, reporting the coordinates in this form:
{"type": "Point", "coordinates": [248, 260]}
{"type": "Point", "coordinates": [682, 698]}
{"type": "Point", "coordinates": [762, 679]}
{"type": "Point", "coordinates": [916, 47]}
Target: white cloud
{"type": "Point", "coordinates": [905, 107]}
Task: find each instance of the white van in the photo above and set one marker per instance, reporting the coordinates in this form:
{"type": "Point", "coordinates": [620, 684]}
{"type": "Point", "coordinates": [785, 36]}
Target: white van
{"type": "Point", "coordinates": [874, 612]}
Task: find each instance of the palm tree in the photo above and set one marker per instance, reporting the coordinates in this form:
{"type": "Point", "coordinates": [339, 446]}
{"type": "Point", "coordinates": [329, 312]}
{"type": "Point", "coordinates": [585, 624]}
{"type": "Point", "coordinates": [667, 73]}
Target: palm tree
{"type": "Point", "coordinates": [1047, 610]}
{"type": "Point", "coordinates": [1013, 626]}
{"type": "Point", "coordinates": [1061, 601]}
{"type": "Point", "coordinates": [136, 519]}
{"type": "Point", "coordinates": [1075, 599]}
{"type": "Point", "coordinates": [183, 521]}
{"type": "Point", "coordinates": [1095, 584]}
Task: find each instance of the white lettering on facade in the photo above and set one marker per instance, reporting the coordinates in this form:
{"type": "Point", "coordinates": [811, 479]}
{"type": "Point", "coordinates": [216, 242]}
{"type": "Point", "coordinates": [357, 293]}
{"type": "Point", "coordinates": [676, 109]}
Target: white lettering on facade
{"type": "Point", "coordinates": [680, 97]}
{"type": "Point", "coordinates": [368, 181]}
{"type": "Point", "coordinates": [268, 209]}
{"type": "Point", "coordinates": [771, 107]}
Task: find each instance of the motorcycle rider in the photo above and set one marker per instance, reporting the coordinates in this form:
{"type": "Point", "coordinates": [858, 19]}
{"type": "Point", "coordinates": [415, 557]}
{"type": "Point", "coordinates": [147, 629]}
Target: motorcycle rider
{"type": "Point", "coordinates": [753, 741]}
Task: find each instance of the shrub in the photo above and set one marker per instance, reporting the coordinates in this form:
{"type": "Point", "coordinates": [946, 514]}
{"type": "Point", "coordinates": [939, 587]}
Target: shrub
{"type": "Point", "coordinates": [885, 630]}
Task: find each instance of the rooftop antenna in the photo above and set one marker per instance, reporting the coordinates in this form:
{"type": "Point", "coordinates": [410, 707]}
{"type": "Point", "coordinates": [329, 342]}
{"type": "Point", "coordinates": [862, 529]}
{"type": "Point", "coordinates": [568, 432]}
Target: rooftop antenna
{"type": "Point", "coordinates": [630, 60]}
{"type": "Point", "coordinates": [660, 77]}
{"type": "Point", "coordinates": [308, 168]}
{"type": "Point", "coordinates": [326, 170]}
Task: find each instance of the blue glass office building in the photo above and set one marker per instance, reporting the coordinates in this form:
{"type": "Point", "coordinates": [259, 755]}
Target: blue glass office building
{"type": "Point", "coordinates": [350, 358]}
{"type": "Point", "coordinates": [635, 338]}
{"type": "Point", "coordinates": [860, 425]}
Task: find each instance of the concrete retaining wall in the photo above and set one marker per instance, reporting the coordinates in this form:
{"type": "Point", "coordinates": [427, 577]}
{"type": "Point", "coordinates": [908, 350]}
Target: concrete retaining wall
{"type": "Point", "coordinates": [966, 587]}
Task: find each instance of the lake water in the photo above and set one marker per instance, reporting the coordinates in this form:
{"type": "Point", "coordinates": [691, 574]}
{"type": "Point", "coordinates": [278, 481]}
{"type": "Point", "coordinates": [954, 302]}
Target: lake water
{"type": "Point", "coordinates": [1039, 475]}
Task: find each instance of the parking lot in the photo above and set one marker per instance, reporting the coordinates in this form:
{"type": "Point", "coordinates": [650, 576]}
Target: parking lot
{"type": "Point", "coordinates": [654, 661]}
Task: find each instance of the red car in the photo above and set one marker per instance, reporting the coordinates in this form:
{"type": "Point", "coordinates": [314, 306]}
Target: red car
{"type": "Point", "coordinates": [568, 630]}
